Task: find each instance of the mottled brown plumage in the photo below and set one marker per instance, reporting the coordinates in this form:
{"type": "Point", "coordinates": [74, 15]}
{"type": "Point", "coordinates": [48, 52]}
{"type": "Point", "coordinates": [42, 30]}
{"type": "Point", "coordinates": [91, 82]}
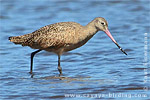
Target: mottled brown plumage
{"type": "Point", "coordinates": [61, 37]}
{"type": "Point", "coordinates": [66, 35]}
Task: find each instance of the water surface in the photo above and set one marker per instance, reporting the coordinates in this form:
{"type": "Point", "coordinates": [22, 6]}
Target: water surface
{"type": "Point", "coordinates": [97, 68]}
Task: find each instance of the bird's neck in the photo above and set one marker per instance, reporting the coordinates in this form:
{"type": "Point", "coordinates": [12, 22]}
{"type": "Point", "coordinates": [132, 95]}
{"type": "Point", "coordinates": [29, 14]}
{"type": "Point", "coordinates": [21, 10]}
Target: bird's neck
{"type": "Point", "coordinates": [88, 32]}
{"type": "Point", "coordinates": [90, 29]}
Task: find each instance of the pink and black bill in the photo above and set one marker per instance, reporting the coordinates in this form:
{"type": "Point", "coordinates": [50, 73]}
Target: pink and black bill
{"type": "Point", "coordinates": [109, 35]}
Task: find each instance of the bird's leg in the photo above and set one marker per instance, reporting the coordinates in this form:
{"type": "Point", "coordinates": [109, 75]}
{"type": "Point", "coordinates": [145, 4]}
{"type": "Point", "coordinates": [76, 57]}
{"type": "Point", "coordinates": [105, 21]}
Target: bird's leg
{"type": "Point", "coordinates": [59, 68]}
{"type": "Point", "coordinates": [32, 55]}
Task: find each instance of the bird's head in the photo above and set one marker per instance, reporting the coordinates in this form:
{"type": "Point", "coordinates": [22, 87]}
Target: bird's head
{"type": "Point", "coordinates": [102, 25]}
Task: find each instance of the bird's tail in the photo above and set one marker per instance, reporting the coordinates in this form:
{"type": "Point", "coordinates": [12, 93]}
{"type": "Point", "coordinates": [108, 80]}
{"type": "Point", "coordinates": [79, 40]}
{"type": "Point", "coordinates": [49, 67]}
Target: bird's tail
{"type": "Point", "coordinates": [16, 39]}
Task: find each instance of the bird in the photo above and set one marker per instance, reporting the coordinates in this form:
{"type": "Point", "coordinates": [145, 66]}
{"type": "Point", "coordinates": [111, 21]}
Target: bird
{"type": "Point", "coordinates": [62, 37]}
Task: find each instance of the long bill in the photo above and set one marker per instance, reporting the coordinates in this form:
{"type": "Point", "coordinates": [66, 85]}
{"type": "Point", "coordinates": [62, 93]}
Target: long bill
{"type": "Point", "coordinates": [109, 34]}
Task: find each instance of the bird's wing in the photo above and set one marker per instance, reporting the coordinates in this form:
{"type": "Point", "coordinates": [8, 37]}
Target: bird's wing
{"type": "Point", "coordinates": [54, 35]}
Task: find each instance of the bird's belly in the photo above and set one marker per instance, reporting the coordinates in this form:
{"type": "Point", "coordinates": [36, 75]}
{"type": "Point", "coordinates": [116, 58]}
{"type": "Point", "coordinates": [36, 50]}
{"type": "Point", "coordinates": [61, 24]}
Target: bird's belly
{"type": "Point", "coordinates": [76, 45]}
{"type": "Point", "coordinates": [60, 50]}
{"type": "Point", "coordinates": [70, 47]}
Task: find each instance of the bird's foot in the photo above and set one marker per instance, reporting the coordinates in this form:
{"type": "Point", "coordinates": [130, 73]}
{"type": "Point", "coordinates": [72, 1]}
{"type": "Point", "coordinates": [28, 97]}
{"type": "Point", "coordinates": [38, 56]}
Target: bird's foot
{"type": "Point", "coordinates": [60, 71]}
{"type": "Point", "coordinates": [31, 73]}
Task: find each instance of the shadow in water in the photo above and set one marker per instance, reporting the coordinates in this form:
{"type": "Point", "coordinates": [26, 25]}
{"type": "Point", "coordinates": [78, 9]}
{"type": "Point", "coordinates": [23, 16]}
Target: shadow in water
{"type": "Point", "coordinates": [85, 79]}
{"type": "Point", "coordinates": [66, 78]}
{"type": "Point", "coordinates": [80, 79]}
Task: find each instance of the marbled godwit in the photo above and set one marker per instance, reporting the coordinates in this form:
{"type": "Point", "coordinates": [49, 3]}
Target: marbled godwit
{"type": "Point", "coordinates": [62, 37]}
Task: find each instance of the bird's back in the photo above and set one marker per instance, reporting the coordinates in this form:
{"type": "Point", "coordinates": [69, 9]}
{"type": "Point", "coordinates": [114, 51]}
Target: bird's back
{"type": "Point", "coordinates": [53, 35]}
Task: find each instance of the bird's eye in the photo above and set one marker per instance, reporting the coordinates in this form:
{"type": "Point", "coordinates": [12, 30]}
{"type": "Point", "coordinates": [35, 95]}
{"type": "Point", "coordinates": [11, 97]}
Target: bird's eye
{"type": "Point", "coordinates": [102, 23]}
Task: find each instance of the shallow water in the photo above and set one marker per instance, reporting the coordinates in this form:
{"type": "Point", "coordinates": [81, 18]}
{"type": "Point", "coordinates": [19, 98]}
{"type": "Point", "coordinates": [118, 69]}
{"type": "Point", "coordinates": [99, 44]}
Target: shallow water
{"type": "Point", "coordinates": [96, 70]}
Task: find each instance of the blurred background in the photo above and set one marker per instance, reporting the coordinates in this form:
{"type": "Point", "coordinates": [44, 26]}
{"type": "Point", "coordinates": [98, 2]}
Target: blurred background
{"type": "Point", "coordinates": [98, 67]}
